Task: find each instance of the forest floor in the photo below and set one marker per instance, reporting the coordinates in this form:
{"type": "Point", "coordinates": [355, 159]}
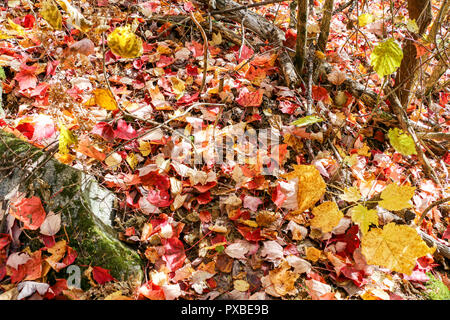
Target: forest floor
{"type": "Point", "coordinates": [233, 183]}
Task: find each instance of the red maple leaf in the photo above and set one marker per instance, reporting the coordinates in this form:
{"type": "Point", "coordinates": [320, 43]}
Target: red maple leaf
{"type": "Point", "coordinates": [250, 99]}
{"type": "Point", "coordinates": [30, 211]}
{"type": "Point", "coordinates": [26, 77]}
{"type": "Point", "coordinates": [174, 254]}
{"type": "Point", "coordinates": [124, 131]}
{"type": "Point", "coordinates": [101, 275]}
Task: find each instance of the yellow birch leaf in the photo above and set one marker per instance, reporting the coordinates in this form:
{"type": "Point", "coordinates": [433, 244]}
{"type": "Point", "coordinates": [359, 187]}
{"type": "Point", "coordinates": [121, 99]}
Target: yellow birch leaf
{"type": "Point", "coordinates": [351, 194]}
{"type": "Point", "coordinates": [132, 160]}
{"type": "Point", "coordinates": [395, 197]}
{"type": "Point", "coordinates": [76, 18]}
{"type": "Point", "coordinates": [123, 42]}
{"type": "Point", "coordinates": [312, 254]}
{"type": "Point", "coordinates": [241, 285]}
{"type": "Point", "coordinates": [104, 98]}
{"type": "Point", "coordinates": [364, 217]}
{"type": "Point", "coordinates": [49, 11]}
{"type": "Point", "coordinates": [144, 147]}
{"type": "Point", "coordinates": [395, 247]}
{"type": "Point", "coordinates": [19, 30]}
{"type": "Point", "coordinates": [178, 86]}
{"type": "Point", "coordinates": [216, 39]}
{"type": "Point", "coordinates": [311, 186]}
{"type": "Point", "coordinates": [365, 19]}
{"type": "Point", "coordinates": [326, 216]}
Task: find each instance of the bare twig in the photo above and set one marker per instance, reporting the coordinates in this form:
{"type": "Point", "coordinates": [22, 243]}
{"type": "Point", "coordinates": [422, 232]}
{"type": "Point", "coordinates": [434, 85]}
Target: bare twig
{"type": "Point", "coordinates": [205, 52]}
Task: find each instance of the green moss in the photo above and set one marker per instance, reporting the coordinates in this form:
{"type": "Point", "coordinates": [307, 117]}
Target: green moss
{"type": "Point", "coordinates": [436, 289]}
{"type": "Point", "coordinates": [95, 243]}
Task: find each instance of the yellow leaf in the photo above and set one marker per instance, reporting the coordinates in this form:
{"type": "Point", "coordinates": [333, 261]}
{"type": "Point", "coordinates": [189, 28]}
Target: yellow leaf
{"type": "Point", "coordinates": [351, 194]}
{"type": "Point", "coordinates": [49, 11]}
{"type": "Point", "coordinates": [144, 147]}
{"type": "Point", "coordinates": [76, 18]}
{"type": "Point", "coordinates": [249, 223]}
{"type": "Point", "coordinates": [123, 42]}
{"type": "Point", "coordinates": [375, 294]}
{"type": "Point", "coordinates": [311, 186]}
{"type": "Point", "coordinates": [19, 30]}
{"type": "Point", "coordinates": [241, 285]}
{"type": "Point", "coordinates": [395, 197]}
{"type": "Point", "coordinates": [395, 247]}
{"type": "Point", "coordinates": [326, 216]}
{"type": "Point", "coordinates": [117, 296]}
{"type": "Point", "coordinates": [364, 151]}
{"type": "Point", "coordinates": [364, 217]}
{"type": "Point", "coordinates": [351, 160]}
{"type": "Point", "coordinates": [178, 86]}
{"type": "Point", "coordinates": [66, 139]}
{"type": "Point", "coordinates": [365, 19]}
{"type": "Point", "coordinates": [132, 160]}
{"type": "Point", "coordinates": [312, 254]}
{"type": "Point", "coordinates": [104, 98]}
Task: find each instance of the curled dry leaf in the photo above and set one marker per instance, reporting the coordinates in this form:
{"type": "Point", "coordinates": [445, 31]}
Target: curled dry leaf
{"type": "Point", "coordinates": [283, 279]}
{"type": "Point", "coordinates": [51, 224]}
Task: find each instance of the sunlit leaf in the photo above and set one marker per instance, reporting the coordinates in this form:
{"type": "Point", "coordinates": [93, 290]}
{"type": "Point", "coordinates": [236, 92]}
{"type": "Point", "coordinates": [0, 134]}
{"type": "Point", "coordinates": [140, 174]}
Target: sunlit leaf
{"type": "Point", "coordinates": [311, 186]}
{"type": "Point", "coordinates": [395, 247]}
{"type": "Point", "coordinates": [351, 194]}
{"type": "Point", "coordinates": [364, 217]}
{"type": "Point", "coordinates": [402, 142]}
{"type": "Point", "coordinates": [326, 216]}
{"type": "Point", "coordinates": [386, 57]}
{"type": "Point", "coordinates": [365, 19]}
{"type": "Point", "coordinates": [123, 42]}
{"type": "Point", "coordinates": [395, 197]}
{"type": "Point", "coordinates": [66, 139]}
{"type": "Point", "coordinates": [304, 121]}
{"type": "Point", "coordinates": [50, 12]}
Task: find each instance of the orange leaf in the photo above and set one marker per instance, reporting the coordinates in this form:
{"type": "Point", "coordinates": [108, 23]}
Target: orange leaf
{"type": "Point", "coordinates": [250, 99]}
{"type": "Point", "coordinates": [30, 211]}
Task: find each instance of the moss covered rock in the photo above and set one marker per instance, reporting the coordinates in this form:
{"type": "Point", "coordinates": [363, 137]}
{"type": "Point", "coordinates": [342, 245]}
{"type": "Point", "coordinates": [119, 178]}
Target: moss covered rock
{"type": "Point", "coordinates": [86, 208]}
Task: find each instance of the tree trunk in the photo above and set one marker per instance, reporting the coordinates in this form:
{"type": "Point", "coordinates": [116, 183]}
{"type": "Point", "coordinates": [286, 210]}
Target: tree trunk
{"type": "Point", "coordinates": [325, 25]}
{"type": "Point", "coordinates": [302, 21]}
{"type": "Point", "coordinates": [420, 10]}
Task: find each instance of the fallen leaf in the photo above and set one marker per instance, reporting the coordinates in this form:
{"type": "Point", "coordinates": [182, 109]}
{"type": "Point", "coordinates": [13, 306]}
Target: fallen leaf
{"type": "Point", "coordinates": [364, 217]}
{"type": "Point", "coordinates": [395, 197]}
{"type": "Point", "coordinates": [326, 216]}
{"type": "Point", "coordinates": [123, 42]}
{"type": "Point", "coordinates": [30, 211]}
{"type": "Point", "coordinates": [311, 186]}
{"type": "Point", "coordinates": [395, 247]}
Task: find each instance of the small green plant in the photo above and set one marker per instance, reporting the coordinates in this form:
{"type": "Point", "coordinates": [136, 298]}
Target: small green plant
{"type": "Point", "coordinates": [436, 289]}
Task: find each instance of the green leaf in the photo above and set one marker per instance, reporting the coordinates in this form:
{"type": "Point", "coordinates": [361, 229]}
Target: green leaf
{"type": "Point", "coordinates": [219, 249]}
{"type": "Point", "coordinates": [2, 74]}
{"type": "Point", "coordinates": [402, 142]}
{"type": "Point", "coordinates": [306, 121]}
{"type": "Point", "coordinates": [386, 57]}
